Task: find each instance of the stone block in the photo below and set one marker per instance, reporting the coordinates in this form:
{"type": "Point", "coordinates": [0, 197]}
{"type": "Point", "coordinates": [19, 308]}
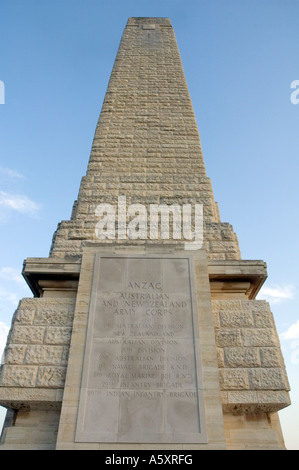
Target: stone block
{"type": "Point", "coordinates": [50, 377]}
{"type": "Point", "coordinates": [268, 379]}
{"type": "Point", "coordinates": [43, 354]}
{"type": "Point", "coordinates": [52, 315]}
{"type": "Point", "coordinates": [228, 337]}
{"type": "Point", "coordinates": [55, 335]}
{"type": "Point", "coordinates": [271, 357]}
{"type": "Point", "coordinates": [242, 357]}
{"type": "Point", "coordinates": [14, 354]}
{"type": "Point", "coordinates": [25, 315]}
{"type": "Point", "coordinates": [234, 379]}
{"type": "Point", "coordinates": [27, 334]}
{"type": "Point", "coordinates": [18, 376]}
{"type": "Point", "coordinates": [258, 337]}
{"type": "Point", "coordinates": [236, 319]}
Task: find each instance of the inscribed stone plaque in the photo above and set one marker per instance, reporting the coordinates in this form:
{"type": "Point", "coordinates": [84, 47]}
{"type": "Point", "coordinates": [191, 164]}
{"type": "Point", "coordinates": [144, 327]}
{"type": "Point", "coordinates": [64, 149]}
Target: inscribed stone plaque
{"type": "Point", "coordinates": [141, 378]}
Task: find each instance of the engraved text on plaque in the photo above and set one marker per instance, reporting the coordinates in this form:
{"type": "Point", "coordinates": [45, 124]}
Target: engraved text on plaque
{"type": "Point", "coordinates": [141, 377]}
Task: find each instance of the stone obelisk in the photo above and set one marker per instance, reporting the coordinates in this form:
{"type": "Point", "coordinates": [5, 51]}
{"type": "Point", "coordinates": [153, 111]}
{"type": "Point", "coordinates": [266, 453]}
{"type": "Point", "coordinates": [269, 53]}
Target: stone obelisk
{"type": "Point", "coordinates": [144, 329]}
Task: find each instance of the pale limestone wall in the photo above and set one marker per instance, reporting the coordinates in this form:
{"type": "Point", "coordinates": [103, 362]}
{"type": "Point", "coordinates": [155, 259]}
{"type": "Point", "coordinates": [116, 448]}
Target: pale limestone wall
{"type": "Point", "coordinates": [251, 368]}
{"type": "Point", "coordinates": [253, 432]}
{"type": "Point", "coordinates": [36, 354]}
{"type": "Point", "coordinates": [33, 430]}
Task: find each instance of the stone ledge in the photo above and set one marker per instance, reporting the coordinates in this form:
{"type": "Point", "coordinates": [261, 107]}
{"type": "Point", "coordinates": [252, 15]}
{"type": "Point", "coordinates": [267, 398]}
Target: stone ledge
{"type": "Point", "coordinates": [254, 401]}
{"type": "Point", "coordinates": [31, 398]}
{"type": "Point", "coordinates": [64, 271]}
{"type": "Point", "coordinates": [231, 276]}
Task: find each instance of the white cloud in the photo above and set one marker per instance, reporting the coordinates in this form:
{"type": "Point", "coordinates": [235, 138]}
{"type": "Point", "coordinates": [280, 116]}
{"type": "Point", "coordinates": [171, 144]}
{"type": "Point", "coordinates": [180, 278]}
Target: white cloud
{"type": "Point", "coordinates": [292, 332]}
{"type": "Point", "coordinates": [295, 353]}
{"type": "Point", "coordinates": [277, 294]}
{"type": "Point", "coordinates": [19, 203]}
{"type": "Point", "coordinates": [10, 297]}
{"type": "Point", "coordinates": [10, 172]}
{"type": "Point", "coordinates": [11, 274]}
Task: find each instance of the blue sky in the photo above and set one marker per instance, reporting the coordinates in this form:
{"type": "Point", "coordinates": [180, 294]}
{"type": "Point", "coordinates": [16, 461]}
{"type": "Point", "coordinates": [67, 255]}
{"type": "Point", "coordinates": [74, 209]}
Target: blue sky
{"type": "Point", "coordinates": [240, 58]}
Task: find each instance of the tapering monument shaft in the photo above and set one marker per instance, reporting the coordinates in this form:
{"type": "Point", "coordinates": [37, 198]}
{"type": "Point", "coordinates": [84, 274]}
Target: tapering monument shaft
{"type": "Point", "coordinates": [146, 145]}
{"type": "Point", "coordinates": [134, 339]}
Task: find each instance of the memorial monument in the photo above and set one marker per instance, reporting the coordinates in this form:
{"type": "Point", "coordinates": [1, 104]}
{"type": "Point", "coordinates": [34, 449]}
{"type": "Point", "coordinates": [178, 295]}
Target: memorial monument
{"type": "Point", "coordinates": [144, 331]}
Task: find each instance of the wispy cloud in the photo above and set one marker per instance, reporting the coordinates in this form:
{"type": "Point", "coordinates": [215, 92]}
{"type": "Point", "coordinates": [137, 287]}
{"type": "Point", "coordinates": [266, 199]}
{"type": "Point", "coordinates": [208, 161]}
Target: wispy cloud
{"type": "Point", "coordinates": [19, 203]}
{"type": "Point", "coordinates": [11, 274]}
{"type": "Point", "coordinates": [292, 332]}
{"type": "Point", "coordinates": [8, 297]}
{"type": "Point", "coordinates": [10, 173]}
{"type": "Point", "coordinates": [13, 199]}
{"type": "Point", "coordinates": [277, 294]}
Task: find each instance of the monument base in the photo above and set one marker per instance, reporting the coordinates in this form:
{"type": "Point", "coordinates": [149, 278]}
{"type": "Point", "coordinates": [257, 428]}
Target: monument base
{"type": "Point", "coordinates": [143, 347]}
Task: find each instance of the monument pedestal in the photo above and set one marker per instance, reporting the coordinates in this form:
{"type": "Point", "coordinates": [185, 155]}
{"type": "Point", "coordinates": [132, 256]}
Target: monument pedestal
{"type": "Point", "coordinates": [144, 347]}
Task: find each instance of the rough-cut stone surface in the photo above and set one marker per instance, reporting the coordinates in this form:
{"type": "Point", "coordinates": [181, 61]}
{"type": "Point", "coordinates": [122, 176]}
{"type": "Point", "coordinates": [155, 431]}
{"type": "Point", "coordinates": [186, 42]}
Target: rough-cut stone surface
{"type": "Point", "coordinates": [249, 356]}
{"type": "Point", "coordinates": [37, 349]}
